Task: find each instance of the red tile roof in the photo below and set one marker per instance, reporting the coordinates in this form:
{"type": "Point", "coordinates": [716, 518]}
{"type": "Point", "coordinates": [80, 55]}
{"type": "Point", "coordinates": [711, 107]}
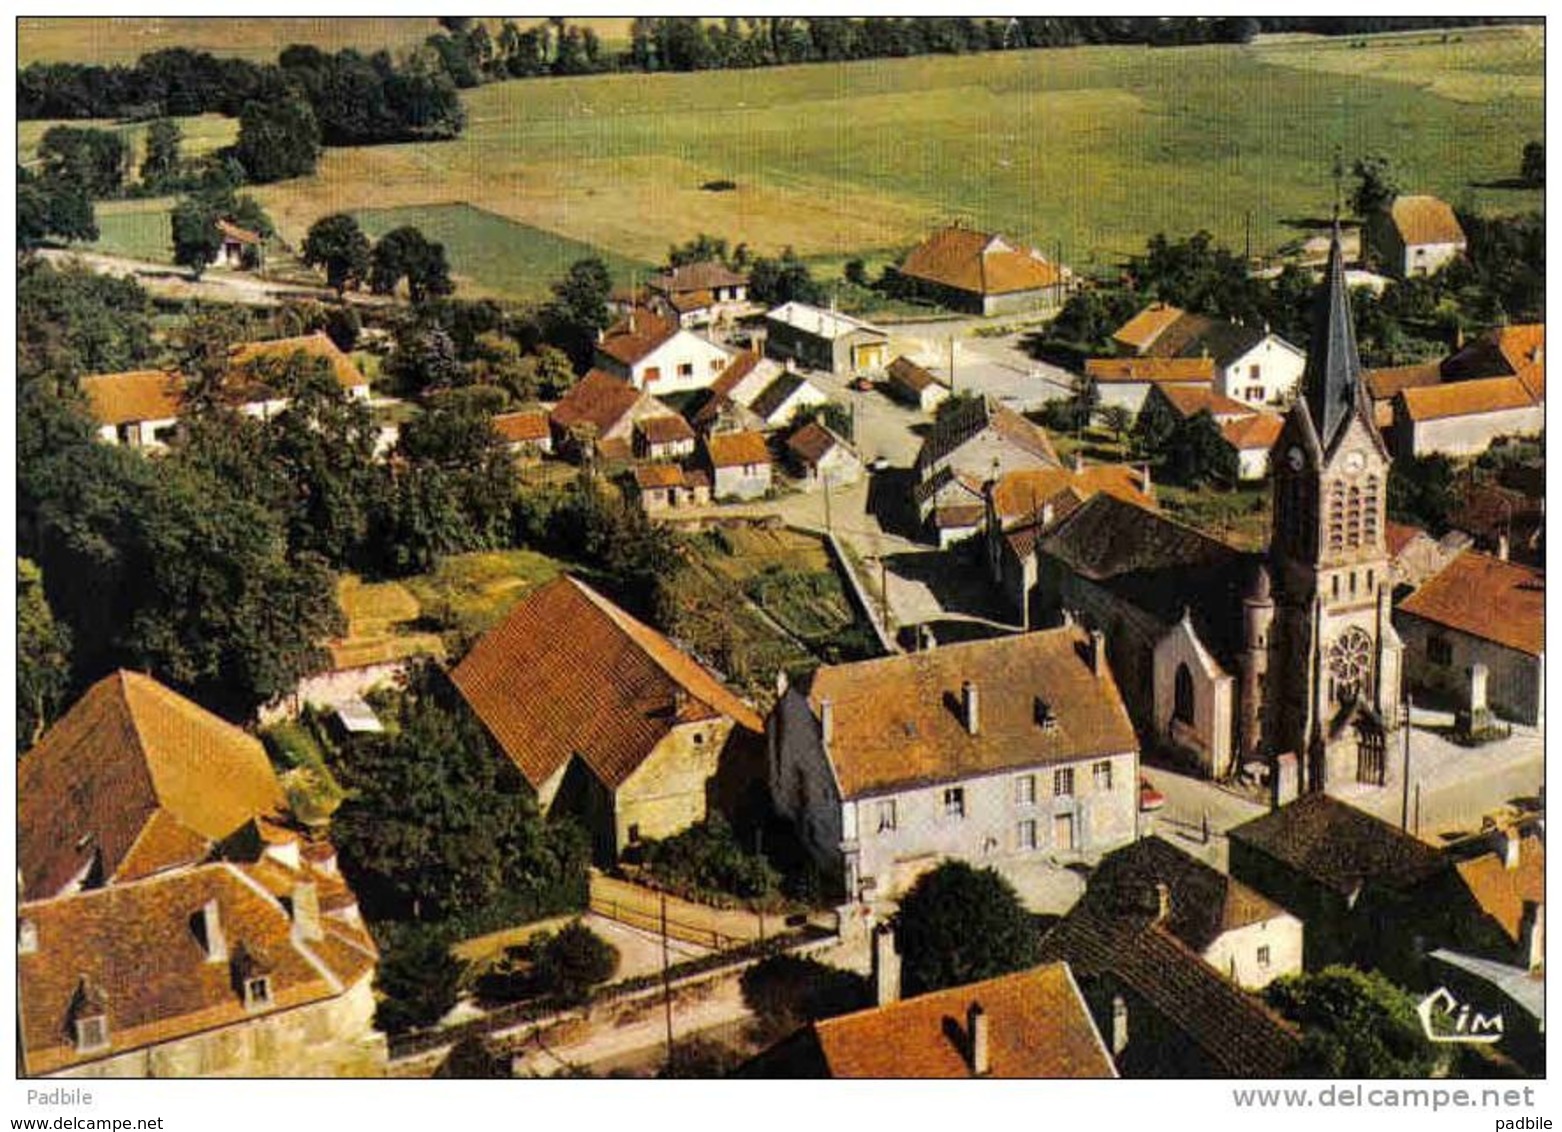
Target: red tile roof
{"type": "Point", "coordinates": [1192, 371]}
{"type": "Point", "coordinates": [137, 778]}
{"type": "Point", "coordinates": [525, 427]}
{"type": "Point", "coordinates": [636, 337]}
{"type": "Point", "coordinates": [737, 449]}
{"type": "Point", "coordinates": [909, 376]}
{"type": "Point", "coordinates": [701, 276]}
{"type": "Point", "coordinates": [979, 263]}
{"type": "Point", "coordinates": [1485, 597]}
{"type": "Point", "coordinates": [1425, 220]}
{"type": "Point", "coordinates": [1397, 536]}
{"type": "Point", "coordinates": [135, 947]}
{"type": "Point", "coordinates": [664, 430]}
{"type": "Point", "coordinates": [242, 235]}
{"type": "Point", "coordinates": [1502, 892]}
{"type": "Point", "coordinates": [893, 726]}
{"type": "Point", "coordinates": [316, 345]}
{"type": "Point", "coordinates": [813, 442]}
{"type": "Point", "coordinates": [1466, 398]}
{"type": "Point", "coordinates": [1191, 400]}
{"type": "Point", "coordinates": [1385, 382]}
{"type": "Point", "coordinates": [1038, 1027]}
{"type": "Point", "coordinates": [567, 673]}
{"type": "Point", "coordinates": [1259, 431]}
{"type": "Point", "coordinates": [599, 399]}
{"type": "Point", "coordinates": [128, 398]}
{"type": "Point", "coordinates": [658, 475]}
{"type": "Point", "coordinates": [1023, 494]}
{"type": "Point", "coordinates": [1141, 331]}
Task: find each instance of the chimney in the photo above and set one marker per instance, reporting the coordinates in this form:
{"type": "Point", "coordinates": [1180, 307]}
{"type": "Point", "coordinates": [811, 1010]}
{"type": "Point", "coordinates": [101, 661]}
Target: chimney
{"type": "Point", "coordinates": [1510, 848]}
{"type": "Point", "coordinates": [826, 722]}
{"type": "Point", "coordinates": [211, 934]}
{"type": "Point", "coordinates": [971, 707]}
{"type": "Point", "coordinates": [1532, 935]}
{"type": "Point", "coordinates": [1502, 546]}
{"type": "Point", "coordinates": [977, 1030]}
{"type": "Point", "coordinates": [1162, 901]}
{"type": "Point", "coordinates": [1145, 483]}
{"type": "Point", "coordinates": [1097, 651]}
{"type": "Point", "coordinates": [1478, 674]}
{"type": "Point", "coordinates": [886, 966]}
{"type": "Point", "coordinates": [306, 910]}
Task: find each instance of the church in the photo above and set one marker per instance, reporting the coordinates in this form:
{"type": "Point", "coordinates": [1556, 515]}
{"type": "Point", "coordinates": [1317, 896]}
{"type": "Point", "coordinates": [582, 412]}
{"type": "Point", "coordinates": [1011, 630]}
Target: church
{"type": "Point", "coordinates": [1230, 659]}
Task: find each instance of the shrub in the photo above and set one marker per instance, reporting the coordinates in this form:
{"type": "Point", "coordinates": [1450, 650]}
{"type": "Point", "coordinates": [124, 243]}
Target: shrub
{"type": "Point", "coordinates": [721, 185]}
{"type": "Point", "coordinates": [707, 858]}
{"type": "Point", "coordinates": [570, 963]}
{"type": "Point", "coordinates": [418, 978]}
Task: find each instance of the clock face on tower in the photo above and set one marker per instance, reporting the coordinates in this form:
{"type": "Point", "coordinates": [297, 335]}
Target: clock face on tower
{"type": "Point", "coordinates": [1354, 462]}
{"type": "Point", "coordinates": [1295, 459]}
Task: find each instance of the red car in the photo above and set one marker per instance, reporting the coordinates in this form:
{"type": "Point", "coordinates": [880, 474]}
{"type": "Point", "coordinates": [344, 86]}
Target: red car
{"type": "Point", "coordinates": [1149, 797]}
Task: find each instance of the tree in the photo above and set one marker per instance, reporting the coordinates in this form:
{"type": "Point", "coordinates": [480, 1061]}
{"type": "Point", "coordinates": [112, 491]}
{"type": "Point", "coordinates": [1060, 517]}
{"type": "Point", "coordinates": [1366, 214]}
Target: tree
{"type": "Point", "coordinates": [197, 240]}
{"type": "Point", "coordinates": [404, 253]}
{"type": "Point", "coordinates": [573, 961]}
{"type": "Point", "coordinates": [43, 670]}
{"type": "Point", "coordinates": [788, 991]}
{"type": "Point", "coordinates": [1421, 491]}
{"type": "Point", "coordinates": [438, 823]}
{"type": "Point", "coordinates": [93, 160]}
{"type": "Point", "coordinates": [958, 925]}
{"type": "Point", "coordinates": [783, 280]}
{"type": "Point", "coordinates": [1118, 419]}
{"type": "Point", "coordinates": [418, 978]}
{"type": "Point", "coordinates": [1376, 185]}
{"type": "Point", "coordinates": [160, 166]}
{"type": "Point", "coordinates": [1197, 453]}
{"type": "Point", "coordinates": [71, 321]}
{"type": "Point", "coordinates": [702, 249]}
{"type": "Point", "coordinates": [578, 310]}
{"type": "Point", "coordinates": [1354, 1024]}
{"type": "Point", "coordinates": [1532, 168]}
{"type": "Point", "coordinates": [48, 208]}
{"type": "Point", "coordinates": [337, 244]}
{"type": "Point", "coordinates": [278, 139]}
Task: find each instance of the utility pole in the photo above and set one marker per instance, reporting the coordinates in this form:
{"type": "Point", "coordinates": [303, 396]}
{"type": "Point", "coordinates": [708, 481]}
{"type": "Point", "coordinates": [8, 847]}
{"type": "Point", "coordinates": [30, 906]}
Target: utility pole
{"type": "Point", "coordinates": [828, 529]}
{"type": "Point", "coordinates": [667, 986]}
{"type": "Point", "coordinates": [1404, 805]}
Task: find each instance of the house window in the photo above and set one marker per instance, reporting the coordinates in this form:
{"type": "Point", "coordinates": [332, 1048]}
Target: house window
{"type": "Point", "coordinates": [1063, 782]}
{"type": "Point", "coordinates": [257, 992]}
{"type": "Point", "coordinates": [887, 815]}
{"type": "Point", "coordinates": [716, 365]}
{"type": "Point", "coordinates": [1263, 956]}
{"type": "Point", "coordinates": [1025, 834]}
{"type": "Point", "coordinates": [1182, 695]}
{"type": "Point", "coordinates": [954, 802]}
{"type": "Point", "coordinates": [1336, 586]}
{"type": "Point", "coordinates": [1252, 372]}
{"type": "Point", "coordinates": [634, 833]}
{"type": "Point", "coordinates": [91, 1033]}
{"type": "Point", "coordinates": [653, 373]}
{"type": "Point", "coordinates": [1102, 773]}
{"type": "Point", "coordinates": [1439, 651]}
{"type": "Point", "coordinates": [1025, 790]}
{"type": "Point", "coordinates": [685, 369]}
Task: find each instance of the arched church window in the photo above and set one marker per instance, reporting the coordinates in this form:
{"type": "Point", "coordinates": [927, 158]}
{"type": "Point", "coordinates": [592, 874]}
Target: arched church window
{"type": "Point", "coordinates": [1336, 517]}
{"type": "Point", "coordinates": [1182, 695]}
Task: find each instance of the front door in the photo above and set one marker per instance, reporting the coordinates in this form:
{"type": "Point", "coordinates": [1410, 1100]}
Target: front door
{"type": "Point", "coordinates": [1063, 833]}
{"type": "Point", "coordinates": [1371, 747]}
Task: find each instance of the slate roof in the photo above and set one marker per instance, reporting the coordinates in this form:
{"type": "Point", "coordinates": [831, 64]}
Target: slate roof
{"type": "Point", "coordinates": [737, 449]}
{"type": "Point", "coordinates": [127, 398]}
{"type": "Point", "coordinates": [979, 263]}
{"type": "Point", "coordinates": [1038, 1027]}
{"type": "Point", "coordinates": [1425, 220]}
{"type": "Point", "coordinates": [1331, 382]}
{"type": "Point", "coordinates": [1339, 847]}
{"type": "Point", "coordinates": [567, 672]}
{"type": "Point", "coordinates": [135, 946]}
{"type": "Point", "coordinates": [1231, 1028]}
{"type": "Point", "coordinates": [1158, 565]}
{"type": "Point", "coordinates": [775, 395]}
{"type": "Point", "coordinates": [954, 429]}
{"type": "Point", "coordinates": [1487, 598]}
{"type": "Point", "coordinates": [316, 345]}
{"type": "Point", "coordinates": [137, 779]}
{"type": "Point", "coordinates": [896, 720]}
{"type": "Point", "coordinates": [1205, 903]}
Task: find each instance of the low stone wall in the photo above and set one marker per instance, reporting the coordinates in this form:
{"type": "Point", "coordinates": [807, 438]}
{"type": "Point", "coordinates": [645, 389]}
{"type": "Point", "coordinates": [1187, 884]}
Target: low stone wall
{"type": "Point", "coordinates": [864, 601]}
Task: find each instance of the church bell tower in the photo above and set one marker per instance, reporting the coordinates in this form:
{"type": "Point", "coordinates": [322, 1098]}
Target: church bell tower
{"type": "Point", "coordinates": [1334, 671]}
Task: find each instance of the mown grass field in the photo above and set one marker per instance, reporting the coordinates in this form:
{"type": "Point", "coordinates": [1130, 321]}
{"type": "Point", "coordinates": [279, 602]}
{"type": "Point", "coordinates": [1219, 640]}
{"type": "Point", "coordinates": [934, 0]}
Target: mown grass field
{"type": "Point", "coordinates": [203, 134]}
{"type": "Point", "coordinates": [496, 254]}
{"type": "Point", "coordinates": [1094, 148]}
{"type": "Point", "coordinates": [140, 229]}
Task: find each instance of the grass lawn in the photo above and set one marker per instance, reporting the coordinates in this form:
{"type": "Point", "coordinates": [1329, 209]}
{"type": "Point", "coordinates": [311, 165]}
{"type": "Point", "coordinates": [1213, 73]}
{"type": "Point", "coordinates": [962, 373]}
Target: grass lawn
{"type": "Point", "coordinates": [468, 593]}
{"type": "Point", "coordinates": [1097, 147]}
{"type": "Point", "coordinates": [144, 232]}
{"type": "Point", "coordinates": [498, 255]}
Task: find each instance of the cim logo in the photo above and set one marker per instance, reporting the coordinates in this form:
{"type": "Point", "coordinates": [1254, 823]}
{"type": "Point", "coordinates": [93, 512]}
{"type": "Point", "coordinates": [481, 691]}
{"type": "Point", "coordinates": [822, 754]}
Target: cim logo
{"type": "Point", "coordinates": [1446, 1019]}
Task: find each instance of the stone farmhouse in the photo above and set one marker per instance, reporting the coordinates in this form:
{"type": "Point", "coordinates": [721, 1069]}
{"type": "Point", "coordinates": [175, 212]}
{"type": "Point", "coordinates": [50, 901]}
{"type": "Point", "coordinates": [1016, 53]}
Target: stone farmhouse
{"type": "Point", "coordinates": [665, 488]}
{"type": "Point", "coordinates": [657, 355]}
{"type": "Point", "coordinates": [175, 920]}
{"type": "Point", "coordinates": [820, 457]}
{"type": "Point", "coordinates": [525, 432]}
{"type": "Point", "coordinates": [606, 718]}
{"type": "Point", "coordinates": [698, 294]}
{"type": "Point", "coordinates": [966, 447]}
{"type": "Point", "coordinates": [1016, 749]}
{"type": "Point", "coordinates": [1253, 366]}
{"type": "Point", "coordinates": [740, 465]}
{"type": "Point", "coordinates": [599, 415]}
{"type": "Point", "coordinates": [1234, 929]}
{"type": "Point", "coordinates": [1462, 418]}
{"type": "Point", "coordinates": [1416, 235]}
{"type": "Point", "coordinates": [1128, 381]}
{"type": "Point", "coordinates": [1474, 633]}
{"type": "Point", "coordinates": [724, 407]}
{"type": "Point", "coordinates": [982, 273]}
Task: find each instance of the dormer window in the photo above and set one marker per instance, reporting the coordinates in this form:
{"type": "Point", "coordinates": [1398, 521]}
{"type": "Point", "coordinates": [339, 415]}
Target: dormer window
{"type": "Point", "coordinates": [91, 1033]}
{"type": "Point", "coordinates": [257, 992]}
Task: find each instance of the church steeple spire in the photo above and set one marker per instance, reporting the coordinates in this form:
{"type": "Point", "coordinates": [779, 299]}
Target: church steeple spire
{"type": "Point", "coordinates": [1333, 375]}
